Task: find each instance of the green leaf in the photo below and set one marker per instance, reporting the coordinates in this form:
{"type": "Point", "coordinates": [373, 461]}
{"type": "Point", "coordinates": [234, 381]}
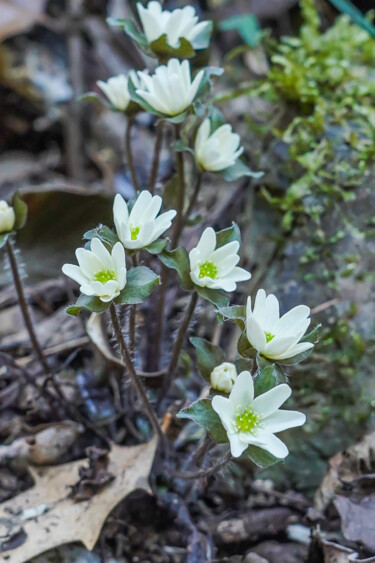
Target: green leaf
{"type": "Point", "coordinates": [230, 234]}
{"type": "Point", "coordinates": [140, 282]}
{"type": "Point", "coordinates": [260, 457]}
{"type": "Point", "coordinates": [202, 40]}
{"type": "Point", "coordinates": [238, 170]}
{"type": "Point", "coordinates": [20, 210]}
{"type": "Point", "coordinates": [355, 14]}
{"type": "Point", "coordinates": [244, 364]}
{"type": "Point", "coordinates": [178, 260]}
{"type": "Point", "coordinates": [157, 246]}
{"type": "Point", "coordinates": [217, 297]}
{"type": "Point", "coordinates": [208, 356]}
{"type": "Point", "coordinates": [182, 145]}
{"type": "Point", "coordinates": [93, 304]}
{"type": "Point", "coordinates": [130, 29]}
{"type": "Point", "coordinates": [94, 97]}
{"type": "Point", "coordinates": [3, 239]}
{"type": "Point", "coordinates": [246, 25]}
{"type": "Point", "coordinates": [202, 413]}
{"type": "Point", "coordinates": [268, 376]}
{"type": "Point", "coordinates": [104, 233]}
{"type": "Point", "coordinates": [164, 51]}
{"type": "Point", "coordinates": [244, 347]}
{"type": "Point", "coordinates": [236, 313]}
{"type": "Point", "coordinates": [313, 335]}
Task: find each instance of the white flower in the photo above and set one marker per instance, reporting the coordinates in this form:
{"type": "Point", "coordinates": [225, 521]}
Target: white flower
{"type": "Point", "coordinates": [177, 24]}
{"type": "Point", "coordinates": [274, 337]}
{"type": "Point", "coordinates": [116, 90]}
{"type": "Point", "coordinates": [219, 150]}
{"type": "Point", "coordinates": [223, 377]}
{"type": "Point", "coordinates": [216, 269]}
{"type": "Point", "coordinates": [255, 421]}
{"type": "Point", "coordinates": [99, 273]}
{"type": "Point", "coordinates": [141, 226]}
{"type": "Point", "coordinates": [7, 217]}
{"type": "Point", "coordinates": [170, 89]}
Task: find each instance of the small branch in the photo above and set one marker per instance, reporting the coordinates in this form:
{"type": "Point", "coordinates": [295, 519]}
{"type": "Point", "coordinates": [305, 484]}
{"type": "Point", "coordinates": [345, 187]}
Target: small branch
{"type": "Point", "coordinates": [205, 472]}
{"type": "Point", "coordinates": [25, 309]}
{"type": "Point", "coordinates": [129, 152]}
{"type": "Point", "coordinates": [179, 220]}
{"type": "Point", "coordinates": [132, 373]}
{"type": "Point", "coordinates": [156, 157]}
{"type": "Point", "coordinates": [194, 197]}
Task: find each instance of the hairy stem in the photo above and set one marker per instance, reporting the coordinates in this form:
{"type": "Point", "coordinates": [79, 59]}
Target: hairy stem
{"type": "Point", "coordinates": [205, 472]}
{"type": "Point", "coordinates": [25, 309]}
{"type": "Point", "coordinates": [132, 373]}
{"type": "Point", "coordinates": [156, 157]}
{"type": "Point", "coordinates": [179, 220]}
{"type": "Point", "coordinates": [160, 315]}
{"type": "Point", "coordinates": [194, 197]}
{"type": "Point", "coordinates": [129, 152]}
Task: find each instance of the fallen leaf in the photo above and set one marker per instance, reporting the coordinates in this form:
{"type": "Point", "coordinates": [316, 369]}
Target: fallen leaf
{"type": "Point", "coordinates": [358, 519]}
{"type": "Point", "coordinates": [66, 520]}
{"type": "Point", "coordinates": [19, 15]}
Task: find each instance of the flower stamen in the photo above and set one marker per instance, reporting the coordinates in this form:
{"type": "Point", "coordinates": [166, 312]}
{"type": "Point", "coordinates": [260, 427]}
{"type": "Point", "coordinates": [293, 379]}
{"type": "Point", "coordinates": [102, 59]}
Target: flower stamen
{"type": "Point", "coordinates": [247, 420]}
{"type": "Point", "coordinates": [208, 269]}
{"type": "Point", "coordinates": [269, 336]}
{"type": "Point", "coordinates": [105, 276]}
{"type": "Point", "coordinates": [134, 232]}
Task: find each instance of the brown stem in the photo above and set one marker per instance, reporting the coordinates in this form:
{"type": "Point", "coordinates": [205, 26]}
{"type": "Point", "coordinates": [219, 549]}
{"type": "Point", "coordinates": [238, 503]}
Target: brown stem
{"type": "Point", "coordinates": [129, 152]}
{"type": "Point", "coordinates": [132, 316]}
{"type": "Point", "coordinates": [178, 345]}
{"type": "Point", "coordinates": [156, 157]}
{"type": "Point", "coordinates": [205, 472]}
{"type": "Point", "coordinates": [194, 197]}
{"type": "Point", "coordinates": [179, 220]}
{"type": "Point", "coordinates": [132, 373]}
{"type": "Point", "coordinates": [160, 315]}
{"type": "Point", "coordinates": [25, 309]}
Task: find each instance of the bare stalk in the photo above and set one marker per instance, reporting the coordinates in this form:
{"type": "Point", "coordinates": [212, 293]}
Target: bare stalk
{"type": "Point", "coordinates": [194, 197]}
{"type": "Point", "coordinates": [132, 373]}
{"type": "Point", "coordinates": [129, 152]}
{"type": "Point", "coordinates": [156, 157]}
{"type": "Point", "coordinates": [25, 309]}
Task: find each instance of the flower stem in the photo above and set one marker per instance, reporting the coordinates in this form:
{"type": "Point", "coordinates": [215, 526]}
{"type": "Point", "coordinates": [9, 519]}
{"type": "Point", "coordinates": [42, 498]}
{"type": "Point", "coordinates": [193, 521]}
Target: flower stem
{"type": "Point", "coordinates": [132, 373]}
{"type": "Point", "coordinates": [205, 472]}
{"type": "Point", "coordinates": [129, 152]}
{"type": "Point", "coordinates": [156, 157]}
{"type": "Point", "coordinates": [25, 309]}
{"type": "Point", "coordinates": [132, 316]}
{"type": "Point", "coordinates": [194, 197]}
{"type": "Point", "coordinates": [160, 315]}
{"type": "Point", "coordinates": [179, 221]}
{"type": "Point", "coordinates": [179, 343]}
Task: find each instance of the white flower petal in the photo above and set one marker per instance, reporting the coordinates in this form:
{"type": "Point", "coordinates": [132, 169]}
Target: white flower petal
{"type": "Point", "coordinates": [237, 446]}
{"type": "Point", "coordinates": [224, 408]}
{"type": "Point", "coordinates": [255, 334]}
{"type": "Point", "coordinates": [271, 400]}
{"type": "Point", "coordinates": [242, 393]}
{"type": "Point", "coordinates": [295, 350]}
{"type": "Point", "coordinates": [273, 444]}
{"type": "Point", "coordinates": [74, 272]}
{"type": "Point", "coordinates": [281, 420]}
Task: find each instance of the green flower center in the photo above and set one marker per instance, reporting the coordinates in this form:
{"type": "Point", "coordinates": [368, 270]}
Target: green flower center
{"type": "Point", "coordinates": [247, 420]}
{"type": "Point", "coordinates": [269, 336]}
{"type": "Point", "coordinates": [134, 232]}
{"type": "Point", "coordinates": [208, 269]}
{"type": "Point", "coordinates": [105, 275]}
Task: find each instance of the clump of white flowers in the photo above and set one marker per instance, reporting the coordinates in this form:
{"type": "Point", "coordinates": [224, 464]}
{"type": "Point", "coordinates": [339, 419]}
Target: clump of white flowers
{"type": "Point", "coordinates": [223, 377]}
{"type": "Point", "coordinates": [99, 273]}
{"type": "Point", "coordinates": [248, 420]}
{"type": "Point", "coordinates": [7, 217]}
{"type": "Point", "coordinates": [178, 24]}
{"type": "Point", "coordinates": [141, 226]}
{"type": "Point", "coordinates": [213, 267]}
{"type": "Point", "coordinates": [170, 90]}
{"type": "Point", "coordinates": [273, 336]}
{"type": "Point", "coordinates": [218, 150]}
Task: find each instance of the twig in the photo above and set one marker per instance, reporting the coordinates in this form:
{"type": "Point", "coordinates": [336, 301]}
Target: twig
{"type": "Point", "coordinates": [132, 373]}
{"type": "Point", "coordinates": [129, 152]}
{"type": "Point", "coordinates": [205, 472]}
{"type": "Point", "coordinates": [156, 157]}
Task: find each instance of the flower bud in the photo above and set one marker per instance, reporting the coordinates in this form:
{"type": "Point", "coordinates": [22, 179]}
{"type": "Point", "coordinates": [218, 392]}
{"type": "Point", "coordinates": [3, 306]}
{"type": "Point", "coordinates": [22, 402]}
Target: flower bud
{"type": "Point", "coordinates": [7, 217]}
{"type": "Point", "coordinates": [223, 377]}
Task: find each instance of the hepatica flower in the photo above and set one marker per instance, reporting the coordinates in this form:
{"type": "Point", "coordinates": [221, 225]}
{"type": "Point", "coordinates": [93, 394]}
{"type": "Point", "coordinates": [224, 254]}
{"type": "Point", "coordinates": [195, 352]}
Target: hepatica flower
{"type": "Point", "coordinates": [7, 217]}
{"type": "Point", "coordinates": [222, 377]}
{"type": "Point", "coordinates": [141, 226]}
{"type": "Point", "coordinates": [178, 24]}
{"type": "Point", "coordinates": [216, 268]}
{"type": "Point", "coordinates": [218, 150]}
{"type": "Point", "coordinates": [116, 90]}
{"type": "Point", "coordinates": [100, 273]}
{"type": "Point", "coordinates": [170, 90]}
{"type": "Point", "coordinates": [248, 420]}
{"type": "Point", "coordinates": [274, 337]}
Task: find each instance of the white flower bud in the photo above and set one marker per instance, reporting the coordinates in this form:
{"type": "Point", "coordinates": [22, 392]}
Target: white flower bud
{"type": "Point", "coordinates": [223, 377]}
{"type": "Point", "coordinates": [7, 217]}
